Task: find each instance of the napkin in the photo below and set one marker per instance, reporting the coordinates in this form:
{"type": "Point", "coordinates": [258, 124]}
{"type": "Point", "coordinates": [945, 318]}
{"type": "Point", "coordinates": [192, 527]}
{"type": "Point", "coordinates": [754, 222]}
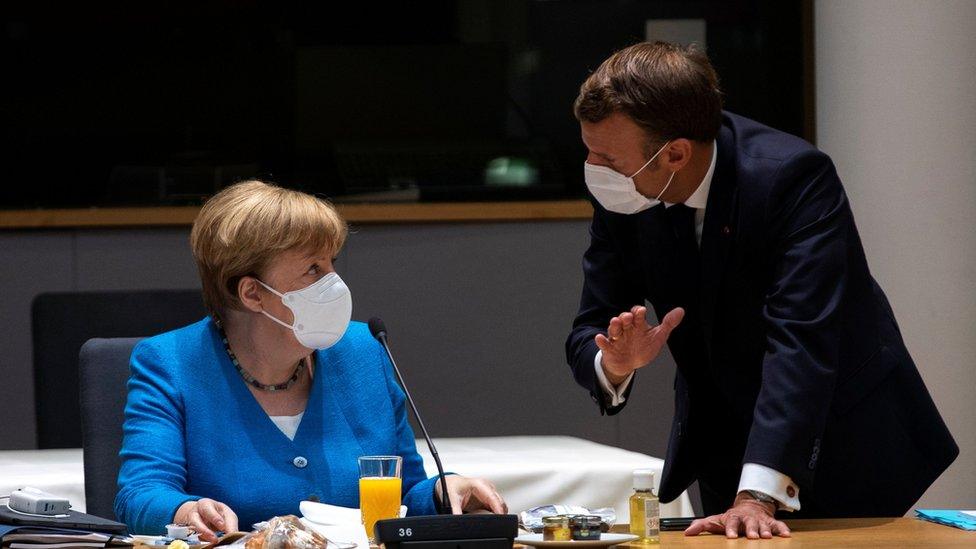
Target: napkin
{"type": "Point", "coordinates": [339, 524]}
{"type": "Point", "coordinates": [331, 515]}
{"type": "Point", "coordinates": [965, 520]}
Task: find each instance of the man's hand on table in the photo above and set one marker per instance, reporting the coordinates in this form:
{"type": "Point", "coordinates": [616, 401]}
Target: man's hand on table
{"type": "Point", "coordinates": [631, 344]}
{"type": "Point", "coordinates": [754, 518]}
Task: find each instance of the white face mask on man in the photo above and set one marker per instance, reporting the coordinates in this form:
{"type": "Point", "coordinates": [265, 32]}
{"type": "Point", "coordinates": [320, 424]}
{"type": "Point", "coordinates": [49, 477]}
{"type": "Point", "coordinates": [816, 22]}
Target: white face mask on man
{"type": "Point", "coordinates": [322, 311]}
{"type": "Point", "coordinates": [618, 193]}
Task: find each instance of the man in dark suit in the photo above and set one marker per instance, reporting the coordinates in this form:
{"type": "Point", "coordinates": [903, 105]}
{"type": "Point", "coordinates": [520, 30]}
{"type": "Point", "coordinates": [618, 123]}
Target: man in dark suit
{"type": "Point", "coordinates": [794, 391]}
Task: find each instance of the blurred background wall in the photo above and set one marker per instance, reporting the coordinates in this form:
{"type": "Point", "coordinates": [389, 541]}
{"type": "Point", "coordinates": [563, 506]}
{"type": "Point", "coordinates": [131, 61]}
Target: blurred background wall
{"type": "Point", "coordinates": [896, 110]}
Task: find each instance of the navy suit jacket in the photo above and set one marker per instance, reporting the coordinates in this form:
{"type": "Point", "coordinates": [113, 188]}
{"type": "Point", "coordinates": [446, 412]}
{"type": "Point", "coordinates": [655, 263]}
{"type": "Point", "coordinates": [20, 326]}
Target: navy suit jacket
{"type": "Point", "coordinates": [789, 355]}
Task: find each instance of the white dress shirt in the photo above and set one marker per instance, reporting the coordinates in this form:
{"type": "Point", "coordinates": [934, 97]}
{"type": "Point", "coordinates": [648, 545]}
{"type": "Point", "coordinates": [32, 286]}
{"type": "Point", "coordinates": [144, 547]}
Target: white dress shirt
{"type": "Point", "coordinates": [754, 476]}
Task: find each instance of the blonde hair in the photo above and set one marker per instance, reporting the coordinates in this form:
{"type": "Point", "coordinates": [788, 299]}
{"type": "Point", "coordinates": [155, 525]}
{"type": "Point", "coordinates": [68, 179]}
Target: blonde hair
{"type": "Point", "coordinates": [241, 229]}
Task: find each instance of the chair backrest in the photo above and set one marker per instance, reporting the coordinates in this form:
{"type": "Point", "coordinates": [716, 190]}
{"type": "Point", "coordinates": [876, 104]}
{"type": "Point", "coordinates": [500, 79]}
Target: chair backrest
{"type": "Point", "coordinates": [103, 373]}
{"type": "Point", "coordinates": [63, 321]}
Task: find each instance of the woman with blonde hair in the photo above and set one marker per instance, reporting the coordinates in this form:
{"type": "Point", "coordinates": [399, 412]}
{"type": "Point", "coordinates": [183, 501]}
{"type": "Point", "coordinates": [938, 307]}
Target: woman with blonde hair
{"type": "Point", "coordinates": [271, 398]}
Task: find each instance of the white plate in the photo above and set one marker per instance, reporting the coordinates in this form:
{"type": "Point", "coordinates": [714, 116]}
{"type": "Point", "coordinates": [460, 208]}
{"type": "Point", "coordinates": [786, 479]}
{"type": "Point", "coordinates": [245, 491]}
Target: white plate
{"type": "Point", "coordinates": [606, 540]}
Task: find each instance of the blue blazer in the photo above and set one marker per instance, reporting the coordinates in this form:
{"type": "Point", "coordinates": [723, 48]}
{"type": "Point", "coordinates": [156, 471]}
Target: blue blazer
{"type": "Point", "coordinates": [193, 430]}
{"type": "Point", "coordinates": [789, 355]}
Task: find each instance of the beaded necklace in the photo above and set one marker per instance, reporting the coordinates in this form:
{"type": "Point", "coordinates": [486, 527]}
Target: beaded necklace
{"type": "Point", "coordinates": [299, 368]}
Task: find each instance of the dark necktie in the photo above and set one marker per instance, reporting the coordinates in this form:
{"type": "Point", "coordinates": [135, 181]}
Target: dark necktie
{"type": "Point", "coordinates": [686, 271]}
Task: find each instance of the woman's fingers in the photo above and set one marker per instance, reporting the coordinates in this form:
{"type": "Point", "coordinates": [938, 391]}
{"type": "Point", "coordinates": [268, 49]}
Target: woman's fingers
{"type": "Point", "coordinates": [199, 526]}
{"type": "Point", "coordinates": [501, 501]}
{"type": "Point", "coordinates": [488, 496]}
{"type": "Point", "coordinates": [209, 517]}
{"type": "Point", "coordinates": [230, 518]}
{"type": "Point", "coordinates": [454, 495]}
{"type": "Point", "coordinates": [207, 509]}
{"type": "Point", "coordinates": [472, 494]}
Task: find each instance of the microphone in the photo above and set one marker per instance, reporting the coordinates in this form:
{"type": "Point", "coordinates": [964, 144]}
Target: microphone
{"type": "Point", "coordinates": [378, 328]}
{"type": "Point", "coordinates": [446, 529]}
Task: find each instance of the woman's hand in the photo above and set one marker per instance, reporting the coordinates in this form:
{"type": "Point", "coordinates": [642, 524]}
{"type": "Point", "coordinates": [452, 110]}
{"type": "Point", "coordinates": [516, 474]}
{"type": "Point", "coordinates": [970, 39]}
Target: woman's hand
{"type": "Point", "coordinates": [472, 494]}
{"type": "Point", "coordinates": [207, 516]}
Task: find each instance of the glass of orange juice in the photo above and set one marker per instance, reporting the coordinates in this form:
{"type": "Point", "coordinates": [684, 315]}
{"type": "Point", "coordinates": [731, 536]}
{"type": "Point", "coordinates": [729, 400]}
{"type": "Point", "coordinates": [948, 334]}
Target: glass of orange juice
{"type": "Point", "coordinates": [379, 490]}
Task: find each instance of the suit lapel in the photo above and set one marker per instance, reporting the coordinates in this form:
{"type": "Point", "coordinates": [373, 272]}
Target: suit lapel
{"type": "Point", "coordinates": [718, 232]}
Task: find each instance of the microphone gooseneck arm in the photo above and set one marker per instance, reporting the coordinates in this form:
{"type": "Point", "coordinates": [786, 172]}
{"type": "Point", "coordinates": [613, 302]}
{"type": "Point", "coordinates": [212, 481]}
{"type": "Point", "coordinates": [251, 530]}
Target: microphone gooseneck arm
{"type": "Point", "coordinates": [444, 503]}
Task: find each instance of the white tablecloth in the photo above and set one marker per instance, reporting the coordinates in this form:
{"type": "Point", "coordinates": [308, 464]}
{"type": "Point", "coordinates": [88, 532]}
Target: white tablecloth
{"type": "Point", "coordinates": [539, 470]}
{"type": "Point", "coordinates": [528, 471]}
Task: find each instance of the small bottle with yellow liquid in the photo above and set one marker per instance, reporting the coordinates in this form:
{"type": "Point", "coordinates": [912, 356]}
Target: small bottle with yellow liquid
{"type": "Point", "coordinates": [645, 509]}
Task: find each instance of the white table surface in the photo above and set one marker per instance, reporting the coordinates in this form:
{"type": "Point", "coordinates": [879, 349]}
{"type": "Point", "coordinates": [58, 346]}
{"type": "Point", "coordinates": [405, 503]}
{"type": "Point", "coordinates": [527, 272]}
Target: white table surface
{"type": "Point", "coordinates": [59, 472]}
{"type": "Point", "coordinates": [527, 470]}
{"type": "Point", "coordinates": [530, 471]}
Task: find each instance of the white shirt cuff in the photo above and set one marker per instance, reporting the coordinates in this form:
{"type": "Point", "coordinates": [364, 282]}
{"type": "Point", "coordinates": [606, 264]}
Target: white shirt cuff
{"type": "Point", "coordinates": [615, 395]}
{"type": "Point", "coordinates": [772, 483]}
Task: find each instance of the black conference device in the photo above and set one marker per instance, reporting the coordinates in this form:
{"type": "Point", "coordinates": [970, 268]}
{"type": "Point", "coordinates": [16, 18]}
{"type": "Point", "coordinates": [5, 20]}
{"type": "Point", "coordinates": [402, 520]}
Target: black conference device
{"type": "Point", "coordinates": [478, 531]}
{"type": "Point", "coordinates": [475, 531]}
{"type": "Point", "coordinates": [669, 524]}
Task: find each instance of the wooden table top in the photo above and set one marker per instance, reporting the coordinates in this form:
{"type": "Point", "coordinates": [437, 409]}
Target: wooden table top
{"type": "Point", "coordinates": [355, 213]}
{"type": "Point", "coordinates": [844, 533]}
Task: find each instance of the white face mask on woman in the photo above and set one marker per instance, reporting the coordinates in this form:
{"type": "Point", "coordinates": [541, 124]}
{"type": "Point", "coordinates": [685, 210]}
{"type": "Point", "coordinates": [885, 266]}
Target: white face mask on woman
{"type": "Point", "coordinates": [618, 193]}
{"type": "Point", "coordinates": [322, 311]}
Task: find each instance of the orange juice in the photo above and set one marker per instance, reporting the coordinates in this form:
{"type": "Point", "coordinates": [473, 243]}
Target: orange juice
{"type": "Point", "coordinates": [379, 498]}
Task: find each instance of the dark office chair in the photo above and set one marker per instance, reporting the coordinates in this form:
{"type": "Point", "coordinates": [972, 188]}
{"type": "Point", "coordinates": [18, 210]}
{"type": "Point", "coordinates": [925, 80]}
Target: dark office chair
{"type": "Point", "coordinates": [62, 322]}
{"type": "Point", "coordinates": [103, 372]}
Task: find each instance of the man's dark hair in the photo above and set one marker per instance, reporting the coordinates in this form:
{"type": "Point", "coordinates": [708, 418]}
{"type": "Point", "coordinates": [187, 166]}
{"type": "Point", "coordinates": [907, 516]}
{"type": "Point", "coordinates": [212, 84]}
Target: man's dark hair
{"type": "Point", "coordinates": [670, 91]}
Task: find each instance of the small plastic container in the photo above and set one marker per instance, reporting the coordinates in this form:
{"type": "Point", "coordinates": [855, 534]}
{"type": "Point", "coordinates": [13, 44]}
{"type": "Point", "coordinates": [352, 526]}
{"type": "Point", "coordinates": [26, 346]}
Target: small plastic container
{"type": "Point", "coordinates": [585, 527]}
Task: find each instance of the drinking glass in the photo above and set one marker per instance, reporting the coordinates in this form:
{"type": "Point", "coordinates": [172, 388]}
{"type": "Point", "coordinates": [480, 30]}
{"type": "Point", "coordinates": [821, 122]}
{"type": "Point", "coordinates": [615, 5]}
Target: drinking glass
{"type": "Point", "coordinates": [379, 490]}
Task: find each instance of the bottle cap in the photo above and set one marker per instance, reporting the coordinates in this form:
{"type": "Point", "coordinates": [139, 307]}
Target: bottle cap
{"type": "Point", "coordinates": [643, 479]}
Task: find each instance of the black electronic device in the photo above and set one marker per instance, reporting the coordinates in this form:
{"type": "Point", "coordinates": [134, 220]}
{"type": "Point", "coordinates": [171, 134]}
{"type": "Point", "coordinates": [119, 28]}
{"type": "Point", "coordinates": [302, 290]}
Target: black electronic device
{"type": "Point", "coordinates": [669, 524]}
{"type": "Point", "coordinates": [477, 531]}
{"type": "Point", "coordinates": [73, 520]}
{"type": "Point", "coordinates": [473, 531]}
